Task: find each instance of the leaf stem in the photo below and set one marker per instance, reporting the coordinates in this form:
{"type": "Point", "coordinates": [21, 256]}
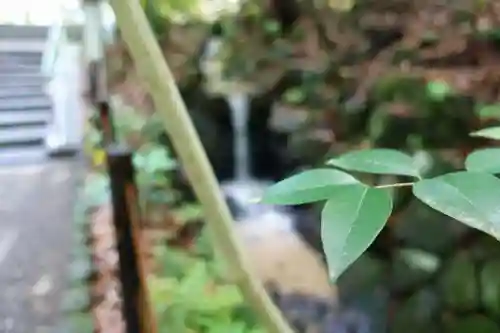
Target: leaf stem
{"type": "Point", "coordinates": [395, 185]}
{"type": "Point", "coordinates": [152, 66]}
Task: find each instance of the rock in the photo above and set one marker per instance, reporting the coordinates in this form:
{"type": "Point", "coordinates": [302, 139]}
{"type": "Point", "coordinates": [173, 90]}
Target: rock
{"type": "Point", "coordinates": [473, 323]}
{"type": "Point", "coordinates": [417, 314]}
{"type": "Point", "coordinates": [412, 267]}
{"type": "Point", "coordinates": [281, 257]}
{"type": "Point", "coordinates": [458, 283]}
{"type": "Point", "coordinates": [490, 287]}
{"type": "Point", "coordinates": [421, 227]}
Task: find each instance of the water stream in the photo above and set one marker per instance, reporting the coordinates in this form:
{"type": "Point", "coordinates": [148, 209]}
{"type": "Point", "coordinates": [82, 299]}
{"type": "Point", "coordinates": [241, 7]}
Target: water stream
{"type": "Point", "coordinates": [244, 189]}
{"type": "Point", "coordinates": [239, 103]}
{"type": "Point", "coordinates": [269, 232]}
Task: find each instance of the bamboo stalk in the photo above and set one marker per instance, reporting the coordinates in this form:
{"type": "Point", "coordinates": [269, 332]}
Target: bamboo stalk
{"type": "Point", "coordinates": [151, 64]}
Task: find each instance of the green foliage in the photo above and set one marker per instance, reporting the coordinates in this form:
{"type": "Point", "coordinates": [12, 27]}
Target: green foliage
{"type": "Point", "coordinates": [191, 295]}
{"type": "Point", "coordinates": [351, 219]}
{"type": "Point", "coordinates": [470, 197]}
{"type": "Point", "coordinates": [153, 163]}
{"type": "Point", "coordinates": [355, 213]}
{"type": "Point", "coordinates": [377, 161]}
{"type": "Point", "coordinates": [438, 90]}
{"type": "Point", "coordinates": [189, 291]}
{"type": "Point", "coordinates": [484, 160]}
{"type": "Point", "coordinates": [489, 133]}
{"type": "Point", "coordinates": [488, 111]}
{"type": "Point", "coordinates": [308, 186]}
{"type": "Point", "coordinates": [170, 10]}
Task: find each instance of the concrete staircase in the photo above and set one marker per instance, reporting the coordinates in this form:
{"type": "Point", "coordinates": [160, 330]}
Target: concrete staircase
{"type": "Point", "coordinates": [25, 108]}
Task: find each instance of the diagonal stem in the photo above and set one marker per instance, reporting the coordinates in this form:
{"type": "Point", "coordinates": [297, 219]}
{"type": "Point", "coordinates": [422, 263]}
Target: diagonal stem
{"type": "Point", "coordinates": [151, 64]}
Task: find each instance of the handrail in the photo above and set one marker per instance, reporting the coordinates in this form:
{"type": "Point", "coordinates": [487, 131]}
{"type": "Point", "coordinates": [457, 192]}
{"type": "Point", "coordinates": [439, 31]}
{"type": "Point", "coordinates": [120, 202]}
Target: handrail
{"type": "Point", "coordinates": [56, 38]}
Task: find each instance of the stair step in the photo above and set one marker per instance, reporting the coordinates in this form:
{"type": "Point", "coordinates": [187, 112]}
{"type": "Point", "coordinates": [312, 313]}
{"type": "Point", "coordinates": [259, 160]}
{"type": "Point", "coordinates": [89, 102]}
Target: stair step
{"type": "Point", "coordinates": [23, 136]}
{"type": "Point", "coordinates": [19, 57]}
{"type": "Point", "coordinates": [12, 104]}
{"type": "Point", "coordinates": [22, 85]}
{"type": "Point", "coordinates": [21, 76]}
{"type": "Point", "coordinates": [23, 31]}
{"type": "Point", "coordinates": [19, 118]}
{"type": "Point", "coordinates": [21, 92]}
{"type": "Point", "coordinates": [21, 81]}
{"type": "Point", "coordinates": [13, 68]}
{"type": "Point", "coordinates": [19, 155]}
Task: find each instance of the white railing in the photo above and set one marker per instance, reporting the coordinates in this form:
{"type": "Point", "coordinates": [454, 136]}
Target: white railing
{"type": "Point", "coordinates": [61, 66]}
{"type": "Point", "coordinates": [56, 38]}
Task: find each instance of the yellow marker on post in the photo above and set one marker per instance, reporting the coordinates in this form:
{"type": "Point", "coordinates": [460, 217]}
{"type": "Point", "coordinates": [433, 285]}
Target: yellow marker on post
{"type": "Point", "coordinates": [98, 157]}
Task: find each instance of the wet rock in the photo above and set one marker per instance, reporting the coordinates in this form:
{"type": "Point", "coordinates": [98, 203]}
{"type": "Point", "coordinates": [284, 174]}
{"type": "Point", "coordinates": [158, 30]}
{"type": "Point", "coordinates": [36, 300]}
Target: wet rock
{"type": "Point", "coordinates": [278, 255]}
{"type": "Point", "coordinates": [458, 283]}
{"type": "Point", "coordinates": [364, 286]}
{"type": "Point", "coordinates": [490, 287]}
{"type": "Point", "coordinates": [484, 247]}
{"type": "Point", "coordinates": [421, 227]}
{"type": "Point", "coordinates": [417, 314]}
{"type": "Point", "coordinates": [364, 275]}
{"type": "Point", "coordinates": [473, 323]}
{"type": "Point", "coordinates": [308, 314]}
{"type": "Point", "coordinates": [412, 267]}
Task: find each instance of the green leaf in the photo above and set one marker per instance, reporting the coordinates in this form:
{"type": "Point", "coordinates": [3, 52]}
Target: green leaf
{"type": "Point", "coordinates": [469, 197]}
{"type": "Point", "coordinates": [484, 160]}
{"type": "Point", "coordinates": [489, 133]}
{"type": "Point", "coordinates": [223, 297]}
{"type": "Point", "coordinates": [294, 96]}
{"type": "Point", "coordinates": [438, 89]}
{"type": "Point", "coordinates": [350, 221]}
{"type": "Point", "coordinates": [378, 161]}
{"type": "Point", "coordinates": [308, 186]}
{"type": "Point", "coordinates": [489, 111]}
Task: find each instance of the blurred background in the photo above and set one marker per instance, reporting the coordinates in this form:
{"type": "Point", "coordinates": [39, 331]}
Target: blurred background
{"type": "Point", "coordinates": [275, 87]}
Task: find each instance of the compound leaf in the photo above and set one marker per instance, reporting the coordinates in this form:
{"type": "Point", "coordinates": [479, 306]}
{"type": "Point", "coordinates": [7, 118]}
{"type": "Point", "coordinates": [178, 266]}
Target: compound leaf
{"type": "Point", "coordinates": [350, 221]}
{"type": "Point", "coordinates": [308, 186]}
{"type": "Point", "coordinates": [469, 197]}
{"type": "Point", "coordinates": [377, 161]}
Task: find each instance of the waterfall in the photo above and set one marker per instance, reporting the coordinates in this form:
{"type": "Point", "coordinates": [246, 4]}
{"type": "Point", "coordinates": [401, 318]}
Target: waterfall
{"type": "Point", "coordinates": [243, 188]}
{"type": "Point", "coordinates": [239, 105]}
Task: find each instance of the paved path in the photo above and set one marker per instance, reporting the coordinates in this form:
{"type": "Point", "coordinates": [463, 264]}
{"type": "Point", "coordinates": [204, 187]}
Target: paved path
{"type": "Point", "coordinates": [36, 209]}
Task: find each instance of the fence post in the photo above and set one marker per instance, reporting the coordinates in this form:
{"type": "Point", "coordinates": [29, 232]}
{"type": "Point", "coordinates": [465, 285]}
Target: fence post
{"type": "Point", "coordinates": [106, 123]}
{"type": "Point", "coordinates": [98, 97]}
{"type": "Point", "coordinates": [136, 307]}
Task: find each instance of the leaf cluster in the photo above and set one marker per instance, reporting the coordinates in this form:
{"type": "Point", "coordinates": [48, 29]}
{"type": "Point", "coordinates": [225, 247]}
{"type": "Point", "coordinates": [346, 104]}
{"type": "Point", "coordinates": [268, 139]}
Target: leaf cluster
{"type": "Point", "coordinates": [355, 212]}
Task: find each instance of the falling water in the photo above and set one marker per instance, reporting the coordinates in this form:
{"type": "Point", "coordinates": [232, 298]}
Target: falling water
{"type": "Point", "coordinates": [268, 232]}
{"type": "Point", "coordinates": [239, 105]}
{"type": "Point", "coordinates": [243, 188]}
